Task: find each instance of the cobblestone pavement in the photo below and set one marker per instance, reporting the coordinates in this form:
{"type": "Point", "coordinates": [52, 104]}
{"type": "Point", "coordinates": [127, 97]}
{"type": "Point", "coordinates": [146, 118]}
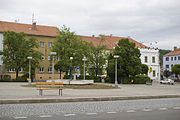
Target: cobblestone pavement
{"type": "Point", "coordinates": [48, 110]}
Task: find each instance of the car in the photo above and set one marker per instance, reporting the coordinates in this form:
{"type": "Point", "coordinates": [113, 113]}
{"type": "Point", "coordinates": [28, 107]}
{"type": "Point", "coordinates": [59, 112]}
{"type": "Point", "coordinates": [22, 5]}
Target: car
{"type": "Point", "coordinates": [167, 81]}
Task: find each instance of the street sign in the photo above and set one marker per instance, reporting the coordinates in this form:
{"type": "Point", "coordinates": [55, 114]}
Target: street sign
{"type": "Point", "coordinates": [150, 69]}
{"type": "Point", "coordinates": [77, 67]}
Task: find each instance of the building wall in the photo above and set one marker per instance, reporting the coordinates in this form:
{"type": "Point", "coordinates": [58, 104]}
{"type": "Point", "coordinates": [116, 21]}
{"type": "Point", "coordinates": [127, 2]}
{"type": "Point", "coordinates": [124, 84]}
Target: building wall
{"type": "Point", "coordinates": [149, 54]}
{"type": "Point", "coordinates": [171, 62]}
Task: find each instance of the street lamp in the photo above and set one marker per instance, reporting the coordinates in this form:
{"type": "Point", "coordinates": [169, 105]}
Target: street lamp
{"type": "Point", "coordinates": [53, 54]}
{"type": "Point", "coordinates": [116, 83]}
{"type": "Point", "coordinates": [71, 58]}
{"type": "Point", "coordinates": [84, 59]}
{"type": "Point", "coordinates": [29, 58]}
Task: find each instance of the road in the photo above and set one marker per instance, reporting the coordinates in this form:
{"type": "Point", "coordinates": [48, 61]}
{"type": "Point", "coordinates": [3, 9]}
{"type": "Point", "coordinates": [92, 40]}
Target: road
{"type": "Point", "coordinates": [148, 109]}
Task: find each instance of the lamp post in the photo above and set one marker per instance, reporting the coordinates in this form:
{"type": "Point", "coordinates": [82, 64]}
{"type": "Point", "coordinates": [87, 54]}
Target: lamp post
{"type": "Point", "coordinates": [116, 83]}
{"type": "Point", "coordinates": [53, 54]}
{"type": "Point", "coordinates": [84, 59]}
{"type": "Point", "coordinates": [29, 58]}
{"type": "Point", "coordinates": [71, 58]}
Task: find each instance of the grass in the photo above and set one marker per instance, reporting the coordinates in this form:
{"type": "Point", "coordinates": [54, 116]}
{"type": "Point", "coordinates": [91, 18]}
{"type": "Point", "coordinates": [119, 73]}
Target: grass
{"type": "Point", "coordinates": [92, 86]}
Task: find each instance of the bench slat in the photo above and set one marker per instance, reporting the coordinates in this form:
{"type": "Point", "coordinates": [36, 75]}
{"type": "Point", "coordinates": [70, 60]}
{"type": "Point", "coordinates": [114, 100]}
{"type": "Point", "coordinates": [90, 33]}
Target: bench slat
{"type": "Point", "coordinates": [49, 85]}
{"type": "Point", "coordinates": [45, 83]}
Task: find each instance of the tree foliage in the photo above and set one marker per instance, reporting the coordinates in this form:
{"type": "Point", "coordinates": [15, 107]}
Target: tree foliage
{"type": "Point", "coordinates": [129, 63]}
{"type": "Point", "coordinates": [176, 69]}
{"type": "Point", "coordinates": [67, 45]}
{"type": "Point", "coordinates": [98, 58]}
{"type": "Point", "coordinates": [167, 73]}
{"type": "Point", "coordinates": [144, 69]}
{"type": "Point", "coordinates": [16, 51]}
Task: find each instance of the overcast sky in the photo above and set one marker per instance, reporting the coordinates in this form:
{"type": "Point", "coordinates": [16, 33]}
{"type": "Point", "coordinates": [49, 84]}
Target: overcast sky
{"type": "Point", "coordinates": [155, 22]}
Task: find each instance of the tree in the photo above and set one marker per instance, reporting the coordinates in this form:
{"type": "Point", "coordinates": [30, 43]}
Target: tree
{"type": "Point", "coordinates": [167, 73]}
{"type": "Point", "coordinates": [129, 63]}
{"type": "Point", "coordinates": [176, 69]}
{"type": "Point", "coordinates": [16, 51]}
{"type": "Point", "coordinates": [98, 57]}
{"type": "Point", "coordinates": [67, 45]}
{"type": "Point", "coordinates": [144, 69]}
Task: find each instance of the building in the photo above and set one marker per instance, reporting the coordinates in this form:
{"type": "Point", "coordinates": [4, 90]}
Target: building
{"type": "Point", "coordinates": [170, 59]}
{"type": "Point", "coordinates": [149, 56]}
{"type": "Point", "coordinates": [45, 36]}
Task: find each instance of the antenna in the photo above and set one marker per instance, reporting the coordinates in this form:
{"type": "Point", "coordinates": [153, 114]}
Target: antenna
{"type": "Point", "coordinates": [33, 19]}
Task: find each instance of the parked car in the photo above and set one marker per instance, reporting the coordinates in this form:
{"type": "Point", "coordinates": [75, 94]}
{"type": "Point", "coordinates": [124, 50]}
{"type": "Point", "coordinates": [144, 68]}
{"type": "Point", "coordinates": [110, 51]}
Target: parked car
{"type": "Point", "coordinates": [177, 80]}
{"type": "Point", "coordinates": [167, 81]}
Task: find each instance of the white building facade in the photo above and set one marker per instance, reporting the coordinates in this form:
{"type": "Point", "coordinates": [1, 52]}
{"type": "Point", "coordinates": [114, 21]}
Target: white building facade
{"type": "Point", "coordinates": [150, 57]}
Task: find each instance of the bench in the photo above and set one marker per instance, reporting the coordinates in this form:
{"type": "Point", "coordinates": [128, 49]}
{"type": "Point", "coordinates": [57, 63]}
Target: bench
{"type": "Point", "coordinates": [49, 86]}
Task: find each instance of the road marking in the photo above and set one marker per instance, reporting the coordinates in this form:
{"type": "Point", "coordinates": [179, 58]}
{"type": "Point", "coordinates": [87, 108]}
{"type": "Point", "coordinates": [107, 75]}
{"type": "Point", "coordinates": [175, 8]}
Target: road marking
{"type": "Point", "coordinates": [111, 112]}
{"type": "Point", "coordinates": [91, 113]}
{"type": "Point", "coordinates": [147, 110]}
{"type": "Point", "coordinates": [162, 108]}
{"type": "Point", "coordinates": [67, 115]}
{"type": "Point", "coordinates": [131, 111]}
{"type": "Point", "coordinates": [20, 117]}
{"type": "Point", "coordinates": [45, 115]}
{"type": "Point", "coordinates": [176, 108]}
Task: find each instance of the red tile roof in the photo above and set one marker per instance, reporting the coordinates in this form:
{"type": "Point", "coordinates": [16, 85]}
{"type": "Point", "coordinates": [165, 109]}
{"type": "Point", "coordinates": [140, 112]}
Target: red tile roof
{"type": "Point", "coordinates": [110, 41]}
{"type": "Point", "coordinates": [176, 52]}
{"type": "Point", "coordinates": [27, 28]}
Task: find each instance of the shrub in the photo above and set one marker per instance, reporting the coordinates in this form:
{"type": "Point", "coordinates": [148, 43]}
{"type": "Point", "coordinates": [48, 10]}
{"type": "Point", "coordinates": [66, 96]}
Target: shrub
{"type": "Point", "coordinates": [7, 78]}
{"type": "Point", "coordinates": [81, 77]}
{"type": "Point", "coordinates": [141, 79]}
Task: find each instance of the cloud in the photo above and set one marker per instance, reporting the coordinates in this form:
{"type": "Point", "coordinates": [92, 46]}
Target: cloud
{"type": "Point", "coordinates": [145, 21]}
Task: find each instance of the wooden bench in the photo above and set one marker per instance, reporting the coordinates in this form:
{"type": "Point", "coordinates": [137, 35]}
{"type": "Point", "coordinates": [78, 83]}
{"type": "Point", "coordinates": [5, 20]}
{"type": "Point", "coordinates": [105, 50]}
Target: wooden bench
{"type": "Point", "coordinates": [49, 86]}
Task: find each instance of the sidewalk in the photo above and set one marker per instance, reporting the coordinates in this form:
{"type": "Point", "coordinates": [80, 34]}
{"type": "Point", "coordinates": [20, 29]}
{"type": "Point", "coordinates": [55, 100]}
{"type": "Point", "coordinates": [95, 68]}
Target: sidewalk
{"type": "Point", "coordinates": [15, 93]}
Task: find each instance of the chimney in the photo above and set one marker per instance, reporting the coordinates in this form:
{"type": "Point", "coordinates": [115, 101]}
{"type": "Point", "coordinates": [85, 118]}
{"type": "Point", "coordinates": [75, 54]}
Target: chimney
{"type": "Point", "coordinates": [175, 48]}
{"type": "Point", "coordinates": [93, 36]}
{"type": "Point", "coordinates": [111, 35]}
{"type": "Point", "coordinates": [34, 26]}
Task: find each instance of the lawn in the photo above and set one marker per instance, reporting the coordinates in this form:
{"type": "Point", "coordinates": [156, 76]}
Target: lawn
{"type": "Point", "coordinates": [91, 86]}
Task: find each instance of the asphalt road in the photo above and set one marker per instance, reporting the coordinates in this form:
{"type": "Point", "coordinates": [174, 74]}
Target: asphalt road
{"type": "Point", "coordinates": [149, 109]}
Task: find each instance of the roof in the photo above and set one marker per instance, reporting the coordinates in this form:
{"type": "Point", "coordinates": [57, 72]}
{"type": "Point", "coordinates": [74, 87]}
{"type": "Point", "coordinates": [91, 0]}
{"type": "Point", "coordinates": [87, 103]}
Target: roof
{"type": "Point", "coordinates": [28, 29]}
{"type": "Point", "coordinates": [175, 52]}
{"type": "Point", "coordinates": [110, 41]}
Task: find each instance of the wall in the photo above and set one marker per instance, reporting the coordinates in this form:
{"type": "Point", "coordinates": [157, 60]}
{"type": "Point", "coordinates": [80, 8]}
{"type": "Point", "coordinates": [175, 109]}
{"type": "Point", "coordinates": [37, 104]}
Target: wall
{"type": "Point", "coordinates": [170, 62]}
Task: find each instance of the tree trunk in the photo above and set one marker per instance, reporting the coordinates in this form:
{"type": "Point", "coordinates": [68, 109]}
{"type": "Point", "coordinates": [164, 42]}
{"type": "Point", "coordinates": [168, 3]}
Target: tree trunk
{"type": "Point", "coordinates": [60, 74]}
{"type": "Point", "coordinates": [17, 72]}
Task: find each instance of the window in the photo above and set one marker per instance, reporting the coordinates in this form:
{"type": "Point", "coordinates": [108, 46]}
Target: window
{"type": "Point", "coordinates": [49, 57]}
{"type": "Point", "coordinates": [11, 70]}
{"type": "Point", "coordinates": [50, 44]}
{"type": "Point", "coordinates": [167, 66]}
{"type": "Point", "coordinates": [178, 57]}
{"type": "Point", "coordinates": [49, 69]}
{"type": "Point", "coordinates": [41, 70]}
{"type": "Point", "coordinates": [42, 57]}
{"type": "Point", "coordinates": [154, 73]}
{"type": "Point", "coordinates": [42, 44]}
{"type": "Point", "coordinates": [21, 70]}
{"type": "Point", "coordinates": [153, 59]}
{"type": "Point", "coordinates": [174, 58]}
{"type": "Point", "coordinates": [146, 59]}
{"type": "Point", "coordinates": [171, 58]}
{"type": "Point", "coordinates": [167, 58]}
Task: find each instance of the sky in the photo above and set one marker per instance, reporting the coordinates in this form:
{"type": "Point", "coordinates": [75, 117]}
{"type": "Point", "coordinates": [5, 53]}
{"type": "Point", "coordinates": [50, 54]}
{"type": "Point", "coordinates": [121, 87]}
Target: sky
{"type": "Point", "coordinates": [155, 23]}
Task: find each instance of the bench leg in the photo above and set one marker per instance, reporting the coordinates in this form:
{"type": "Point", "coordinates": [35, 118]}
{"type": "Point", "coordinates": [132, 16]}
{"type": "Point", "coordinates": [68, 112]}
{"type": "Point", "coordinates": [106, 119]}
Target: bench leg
{"type": "Point", "coordinates": [40, 92]}
{"type": "Point", "coordinates": [60, 92]}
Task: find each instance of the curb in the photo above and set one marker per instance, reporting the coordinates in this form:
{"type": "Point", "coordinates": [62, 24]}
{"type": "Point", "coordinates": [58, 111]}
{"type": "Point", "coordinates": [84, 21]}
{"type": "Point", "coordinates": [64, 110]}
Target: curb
{"type": "Point", "coordinates": [27, 101]}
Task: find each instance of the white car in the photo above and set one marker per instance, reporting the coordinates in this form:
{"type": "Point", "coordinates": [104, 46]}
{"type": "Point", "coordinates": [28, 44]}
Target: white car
{"type": "Point", "coordinates": [167, 81]}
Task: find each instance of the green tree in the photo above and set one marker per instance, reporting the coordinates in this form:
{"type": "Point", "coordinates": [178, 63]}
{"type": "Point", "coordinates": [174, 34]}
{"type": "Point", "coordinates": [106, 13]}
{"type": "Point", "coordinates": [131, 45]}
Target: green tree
{"type": "Point", "coordinates": [167, 73]}
{"type": "Point", "coordinates": [176, 69]}
{"type": "Point", "coordinates": [16, 51]}
{"type": "Point", "coordinates": [98, 57]}
{"type": "Point", "coordinates": [144, 69]}
{"type": "Point", "coordinates": [129, 63]}
{"type": "Point", "coordinates": [67, 45]}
